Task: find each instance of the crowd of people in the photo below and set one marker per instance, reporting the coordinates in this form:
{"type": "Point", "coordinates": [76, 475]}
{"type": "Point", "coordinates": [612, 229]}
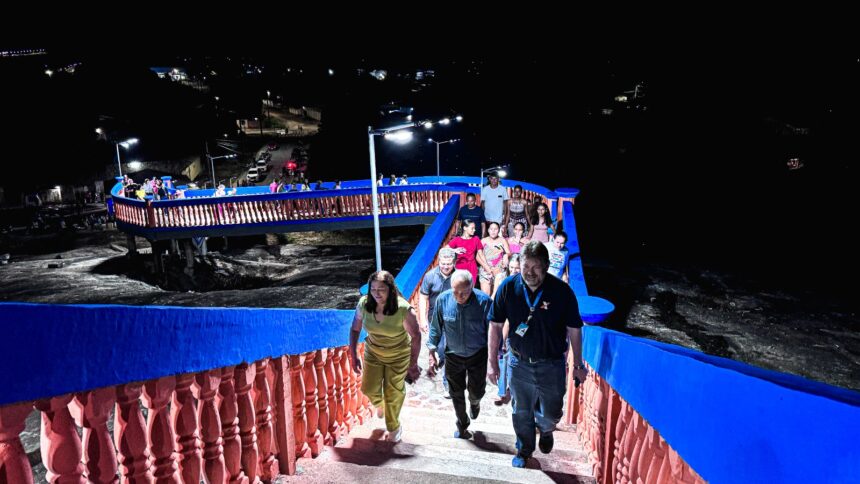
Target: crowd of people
{"type": "Point", "coordinates": [155, 188]}
{"type": "Point", "coordinates": [497, 307]}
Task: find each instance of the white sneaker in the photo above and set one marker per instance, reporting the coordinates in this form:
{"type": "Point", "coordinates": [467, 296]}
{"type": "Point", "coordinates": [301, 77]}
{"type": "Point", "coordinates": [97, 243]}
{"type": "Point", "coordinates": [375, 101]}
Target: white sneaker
{"type": "Point", "coordinates": [396, 435]}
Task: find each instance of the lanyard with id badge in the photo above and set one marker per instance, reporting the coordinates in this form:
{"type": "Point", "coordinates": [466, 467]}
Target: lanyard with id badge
{"type": "Point", "coordinates": [524, 326]}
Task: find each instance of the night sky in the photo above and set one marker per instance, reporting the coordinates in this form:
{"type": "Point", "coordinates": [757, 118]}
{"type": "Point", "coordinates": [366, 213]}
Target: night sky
{"type": "Point", "coordinates": [697, 176]}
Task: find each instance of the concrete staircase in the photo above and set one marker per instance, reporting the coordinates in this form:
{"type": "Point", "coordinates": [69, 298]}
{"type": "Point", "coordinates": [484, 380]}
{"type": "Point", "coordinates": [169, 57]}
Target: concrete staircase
{"type": "Point", "coordinates": [429, 452]}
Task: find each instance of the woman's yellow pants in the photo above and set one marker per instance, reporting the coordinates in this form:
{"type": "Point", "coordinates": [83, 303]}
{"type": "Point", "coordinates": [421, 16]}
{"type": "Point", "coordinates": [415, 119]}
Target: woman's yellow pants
{"type": "Point", "coordinates": [383, 380]}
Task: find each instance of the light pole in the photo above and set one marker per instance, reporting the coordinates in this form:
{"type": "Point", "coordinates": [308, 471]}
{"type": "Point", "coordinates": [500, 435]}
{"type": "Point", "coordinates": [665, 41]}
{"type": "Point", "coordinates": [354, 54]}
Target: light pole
{"type": "Point", "coordinates": [212, 159]}
{"type": "Point", "coordinates": [125, 144]}
{"type": "Point", "coordinates": [398, 134]}
{"type": "Point", "coordinates": [437, 149]}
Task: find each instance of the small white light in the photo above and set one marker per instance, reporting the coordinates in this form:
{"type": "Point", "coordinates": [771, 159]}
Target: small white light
{"type": "Point", "coordinates": [459, 118]}
{"type": "Point", "coordinates": [331, 72]}
{"type": "Point", "coordinates": [135, 165]}
{"type": "Point", "coordinates": [99, 130]}
{"type": "Point", "coordinates": [502, 173]}
{"type": "Point", "coordinates": [428, 125]}
{"type": "Point", "coordinates": [409, 118]}
{"type": "Point", "coordinates": [445, 121]}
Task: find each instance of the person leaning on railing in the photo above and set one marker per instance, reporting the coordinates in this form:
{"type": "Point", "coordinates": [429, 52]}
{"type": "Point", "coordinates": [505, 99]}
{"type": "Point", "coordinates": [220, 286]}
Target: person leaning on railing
{"type": "Point", "coordinates": [391, 348]}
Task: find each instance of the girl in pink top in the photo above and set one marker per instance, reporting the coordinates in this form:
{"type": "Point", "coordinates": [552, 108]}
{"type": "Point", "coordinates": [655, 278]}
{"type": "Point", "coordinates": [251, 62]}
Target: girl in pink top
{"type": "Point", "coordinates": [469, 250]}
{"type": "Point", "coordinates": [518, 239]}
{"type": "Point", "coordinates": [541, 224]}
{"type": "Point", "coordinates": [496, 252]}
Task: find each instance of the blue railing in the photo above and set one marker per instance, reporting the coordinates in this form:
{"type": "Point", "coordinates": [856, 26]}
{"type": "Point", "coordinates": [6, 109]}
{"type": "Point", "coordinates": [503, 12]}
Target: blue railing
{"type": "Point", "coordinates": [732, 422]}
{"type": "Point", "coordinates": [54, 349]}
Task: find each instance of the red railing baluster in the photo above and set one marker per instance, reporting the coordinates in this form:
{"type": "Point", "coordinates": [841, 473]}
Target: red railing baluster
{"type": "Point", "coordinates": [244, 377]}
{"type": "Point", "coordinates": [130, 435]}
{"type": "Point", "coordinates": [99, 456]}
{"type": "Point", "coordinates": [230, 427]}
{"type": "Point", "coordinates": [156, 394]}
{"type": "Point", "coordinates": [184, 419]}
{"type": "Point", "coordinates": [214, 466]}
{"type": "Point", "coordinates": [14, 465]}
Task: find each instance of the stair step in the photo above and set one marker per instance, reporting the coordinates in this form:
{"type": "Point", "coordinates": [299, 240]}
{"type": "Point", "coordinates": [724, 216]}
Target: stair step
{"type": "Point", "coordinates": [332, 471]}
{"type": "Point", "coordinates": [492, 416]}
{"type": "Point", "coordinates": [443, 460]}
{"type": "Point", "coordinates": [414, 423]}
{"type": "Point", "coordinates": [480, 442]}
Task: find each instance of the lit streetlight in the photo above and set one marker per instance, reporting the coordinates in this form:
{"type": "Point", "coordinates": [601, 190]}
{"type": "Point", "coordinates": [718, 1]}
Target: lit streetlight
{"type": "Point", "coordinates": [431, 140]}
{"type": "Point", "coordinates": [499, 170]}
{"type": "Point", "coordinates": [125, 144]}
{"type": "Point", "coordinates": [400, 135]}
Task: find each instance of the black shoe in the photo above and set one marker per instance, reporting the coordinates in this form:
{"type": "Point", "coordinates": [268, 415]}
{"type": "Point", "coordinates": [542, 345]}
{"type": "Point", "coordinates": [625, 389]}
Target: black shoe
{"type": "Point", "coordinates": [462, 434]}
{"type": "Point", "coordinates": [474, 410]}
{"type": "Point", "coordinates": [545, 442]}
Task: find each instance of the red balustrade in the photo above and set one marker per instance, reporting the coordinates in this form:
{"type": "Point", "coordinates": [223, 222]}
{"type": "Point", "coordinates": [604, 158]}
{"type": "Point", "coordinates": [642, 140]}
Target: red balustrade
{"type": "Point", "coordinates": [239, 424]}
{"type": "Point", "coordinates": [621, 445]}
{"type": "Point", "coordinates": [222, 212]}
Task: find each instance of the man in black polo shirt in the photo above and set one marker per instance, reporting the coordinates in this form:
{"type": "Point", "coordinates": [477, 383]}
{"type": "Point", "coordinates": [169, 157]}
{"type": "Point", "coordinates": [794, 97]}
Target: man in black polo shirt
{"type": "Point", "coordinates": [544, 320]}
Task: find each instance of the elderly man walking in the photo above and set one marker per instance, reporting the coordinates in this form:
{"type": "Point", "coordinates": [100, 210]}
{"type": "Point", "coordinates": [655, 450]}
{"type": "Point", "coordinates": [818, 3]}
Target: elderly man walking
{"type": "Point", "coordinates": [544, 322]}
{"type": "Point", "coordinates": [462, 315]}
{"type": "Point", "coordinates": [435, 282]}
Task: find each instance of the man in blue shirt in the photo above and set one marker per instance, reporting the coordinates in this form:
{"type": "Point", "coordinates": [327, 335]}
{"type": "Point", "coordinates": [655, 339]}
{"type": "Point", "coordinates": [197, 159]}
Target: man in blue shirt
{"type": "Point", "coordinates": [435, 282]}
{"type": "Point", "coordinates": [471, 211]}
{"type": "Point", "coordinates": [544, 322]}
{"type": "Point", "coordinates": [462, 314]}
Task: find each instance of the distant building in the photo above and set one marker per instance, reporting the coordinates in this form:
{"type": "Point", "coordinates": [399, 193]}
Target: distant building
{"type": "Point", "coordinates": [172, 73]}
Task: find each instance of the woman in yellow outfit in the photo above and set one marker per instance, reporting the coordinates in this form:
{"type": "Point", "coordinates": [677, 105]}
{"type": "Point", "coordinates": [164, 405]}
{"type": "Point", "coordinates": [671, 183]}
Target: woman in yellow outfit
{"type": "Point", "coordinates": [390, 350]}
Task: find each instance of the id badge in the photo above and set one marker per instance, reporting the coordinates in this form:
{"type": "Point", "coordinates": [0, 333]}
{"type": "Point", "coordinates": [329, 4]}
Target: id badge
{"type": "Point", "coordinates": [521, 329]}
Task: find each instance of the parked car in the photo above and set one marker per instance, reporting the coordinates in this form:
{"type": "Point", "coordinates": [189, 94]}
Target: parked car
{"type": "Point", "coordinates": [253, 175]}
{"type": "Point", "coordinates": [262, 165]}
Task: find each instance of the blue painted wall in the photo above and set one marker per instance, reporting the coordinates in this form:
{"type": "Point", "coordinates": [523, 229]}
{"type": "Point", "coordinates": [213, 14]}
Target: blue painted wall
{"type": "Point", "coordinates": [733, 423]}
{"type": "Point", "coordinates": [50, 350]}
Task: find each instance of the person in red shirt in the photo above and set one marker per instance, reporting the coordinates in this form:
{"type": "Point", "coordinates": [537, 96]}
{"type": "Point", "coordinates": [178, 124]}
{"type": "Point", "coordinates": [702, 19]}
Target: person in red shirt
{"type": "Point", "coordinates": [469, 250]}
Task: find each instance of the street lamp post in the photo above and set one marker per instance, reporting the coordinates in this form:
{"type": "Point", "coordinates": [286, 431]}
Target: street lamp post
{"type": "Point", "coordinates": [437, 149]}
{"type": "Point", "coordinates": [212, 161]}
{"type": "Point", "coordinates": [125, 144]}
{"type": "Point", "coordinates": [396, 133]}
